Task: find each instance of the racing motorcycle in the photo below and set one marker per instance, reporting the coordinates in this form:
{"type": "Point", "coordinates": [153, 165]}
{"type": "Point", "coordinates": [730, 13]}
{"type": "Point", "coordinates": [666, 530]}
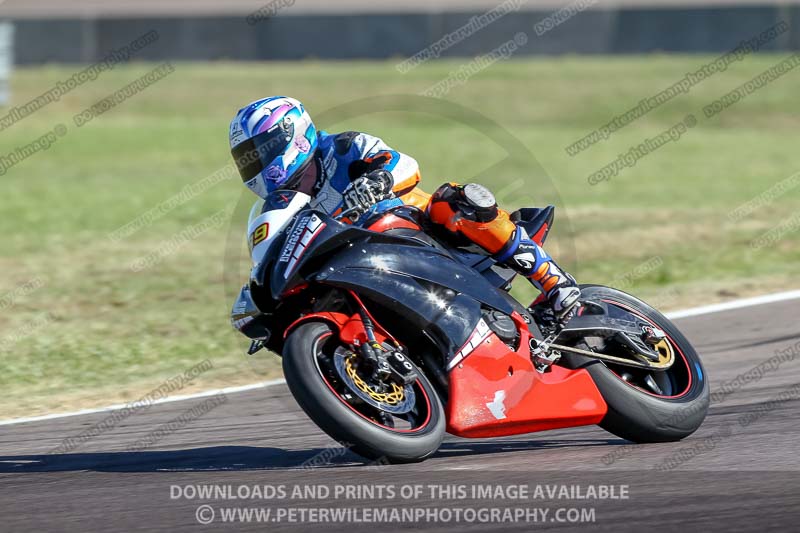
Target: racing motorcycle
{"type": "Point", "coordinates": [391, 335]}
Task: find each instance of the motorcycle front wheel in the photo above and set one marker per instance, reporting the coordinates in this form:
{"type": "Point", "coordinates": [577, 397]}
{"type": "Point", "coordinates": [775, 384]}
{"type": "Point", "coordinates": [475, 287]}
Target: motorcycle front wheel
{"type": "Point", "coordinates": [346, 407]}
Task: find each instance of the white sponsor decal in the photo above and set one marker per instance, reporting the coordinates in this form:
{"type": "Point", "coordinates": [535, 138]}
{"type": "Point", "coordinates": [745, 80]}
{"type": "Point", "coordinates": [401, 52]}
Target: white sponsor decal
{"type": "Point", "coordinates": [480, 334]}
{"type": "Point", "coordinates": [526, 260]}
{"type": "Point", "coordinates": [291, 242]}
{"type": "Point", "coordinates": [299, 241]}
{"type": "Point", "coordinates": [496, 406]}
{"type": "Point", "coordinates": [242, 322]}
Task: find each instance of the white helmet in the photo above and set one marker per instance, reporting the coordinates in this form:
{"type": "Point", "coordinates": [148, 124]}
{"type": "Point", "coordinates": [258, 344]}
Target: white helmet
{"type": "Point", "coordinates": [272, 142]}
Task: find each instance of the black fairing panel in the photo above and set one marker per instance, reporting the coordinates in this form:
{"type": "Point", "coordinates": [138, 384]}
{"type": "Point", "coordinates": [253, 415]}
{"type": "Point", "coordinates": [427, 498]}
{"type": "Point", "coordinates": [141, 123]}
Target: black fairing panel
{"type": "Point", "coordinates": [420, 262]}
{"type": "Point", "coordinates": [410, 297]}
{"type": "Point", "coordinates": [429, 287]}
{"type": "Point", "coordinates": [332, 236]}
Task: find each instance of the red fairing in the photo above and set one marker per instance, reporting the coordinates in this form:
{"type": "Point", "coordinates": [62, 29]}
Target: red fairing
{"type": "Point", "coordinates": [539, 237]}
{"type": "Point", "coordinates": [390, 221]}
{"type": "Point", "coordinates": [495, 391]}
{"type": "Point", "coordinates": [351, 328]}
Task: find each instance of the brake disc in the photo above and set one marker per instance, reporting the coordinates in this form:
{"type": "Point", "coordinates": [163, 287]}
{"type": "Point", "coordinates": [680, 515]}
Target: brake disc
{"type": "Point", "coordinates": [389, 397]}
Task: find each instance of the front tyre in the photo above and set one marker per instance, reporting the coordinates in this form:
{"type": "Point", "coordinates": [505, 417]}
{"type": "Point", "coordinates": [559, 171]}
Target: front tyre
{"type": "Point", "coordinates": [307, 366]}
{"type": "Point", "coordinates": [677, 399]}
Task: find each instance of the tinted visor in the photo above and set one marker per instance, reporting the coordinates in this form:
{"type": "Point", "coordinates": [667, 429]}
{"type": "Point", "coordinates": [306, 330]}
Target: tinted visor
{"type": "Point", "coordinates": [257, 153]}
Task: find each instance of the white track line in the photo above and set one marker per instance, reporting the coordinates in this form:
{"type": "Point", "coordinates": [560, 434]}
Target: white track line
{"type": "Point", "coordinates": [734, 304]}
{"type": "Point", "coordinates": [685, 313]}
{"type": "Point", "coordinates": [170, 399]}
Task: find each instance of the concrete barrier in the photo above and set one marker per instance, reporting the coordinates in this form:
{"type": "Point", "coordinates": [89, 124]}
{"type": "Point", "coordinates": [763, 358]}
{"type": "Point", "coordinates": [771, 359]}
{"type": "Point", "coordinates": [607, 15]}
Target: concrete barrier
{"type": "Point", "coordinates": [379, 35]}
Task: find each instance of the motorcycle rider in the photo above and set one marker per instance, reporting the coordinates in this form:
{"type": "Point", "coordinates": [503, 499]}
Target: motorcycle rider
{"type": "Point", "coordinates": [276, 146]}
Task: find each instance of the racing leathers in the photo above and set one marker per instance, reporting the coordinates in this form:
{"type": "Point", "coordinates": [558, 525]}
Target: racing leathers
{"type": "Point", "coordinates": [359, 174]}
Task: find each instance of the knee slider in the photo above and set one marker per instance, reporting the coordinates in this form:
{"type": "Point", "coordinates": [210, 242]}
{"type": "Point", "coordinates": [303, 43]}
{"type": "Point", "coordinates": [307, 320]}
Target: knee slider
{"type": "Point", "coordinates": [472, 201]}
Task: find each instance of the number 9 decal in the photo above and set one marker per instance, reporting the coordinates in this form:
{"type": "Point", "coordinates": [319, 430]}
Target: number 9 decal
{"type": "Point", "coordinates": [259, 234]}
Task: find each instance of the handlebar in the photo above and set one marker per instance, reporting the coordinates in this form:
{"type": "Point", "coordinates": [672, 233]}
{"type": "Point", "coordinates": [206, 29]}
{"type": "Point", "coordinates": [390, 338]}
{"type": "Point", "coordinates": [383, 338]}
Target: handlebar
{"type": "Point", "coordinates": [343, 214]}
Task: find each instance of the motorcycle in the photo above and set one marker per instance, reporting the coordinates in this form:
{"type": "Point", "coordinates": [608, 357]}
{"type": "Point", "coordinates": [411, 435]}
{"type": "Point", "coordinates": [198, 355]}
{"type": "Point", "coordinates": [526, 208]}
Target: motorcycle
{"type": "Point", "coordinates": [391, 335]}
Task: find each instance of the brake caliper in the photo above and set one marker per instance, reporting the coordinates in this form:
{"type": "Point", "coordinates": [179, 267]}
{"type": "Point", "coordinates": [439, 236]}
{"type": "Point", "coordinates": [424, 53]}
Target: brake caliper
{"type": "Point", "coordinates": [388, 364]}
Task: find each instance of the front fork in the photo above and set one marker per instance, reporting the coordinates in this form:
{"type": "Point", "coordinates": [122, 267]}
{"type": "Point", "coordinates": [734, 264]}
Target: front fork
{"type": "Point", "coordinates": [381, 356]}
{"type": "Point", "coordinates": [385, 361]}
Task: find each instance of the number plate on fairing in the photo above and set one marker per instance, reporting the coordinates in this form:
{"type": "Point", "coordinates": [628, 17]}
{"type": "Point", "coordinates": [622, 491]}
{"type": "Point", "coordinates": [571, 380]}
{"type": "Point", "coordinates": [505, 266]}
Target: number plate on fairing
{"type": "Point", "coordinates": [279, 210]}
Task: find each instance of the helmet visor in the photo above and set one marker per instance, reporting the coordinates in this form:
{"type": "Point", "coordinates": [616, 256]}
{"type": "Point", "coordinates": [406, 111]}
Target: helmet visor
{"type": "Point", "coordinates": [257, 153]}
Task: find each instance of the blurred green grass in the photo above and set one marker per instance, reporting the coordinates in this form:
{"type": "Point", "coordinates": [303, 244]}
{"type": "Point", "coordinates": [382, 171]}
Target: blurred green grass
{"type": "Point", "coordinates": [113, 334]}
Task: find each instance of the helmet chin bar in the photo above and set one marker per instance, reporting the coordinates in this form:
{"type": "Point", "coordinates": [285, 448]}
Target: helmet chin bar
{"type": "Point", "coordinates": [306, 177]}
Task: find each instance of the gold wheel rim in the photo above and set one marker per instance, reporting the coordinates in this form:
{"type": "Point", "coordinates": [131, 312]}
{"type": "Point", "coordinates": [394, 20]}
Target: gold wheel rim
{"type": "Point", "coordinates": [390, 398]}
{"type": "Point", "coordinates": [665, 353]}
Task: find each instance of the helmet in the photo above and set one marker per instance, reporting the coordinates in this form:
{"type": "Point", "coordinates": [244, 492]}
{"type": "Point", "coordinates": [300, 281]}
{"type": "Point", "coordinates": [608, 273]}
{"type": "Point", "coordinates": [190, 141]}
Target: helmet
{"type": "Point", "coordinates": [272, 142]}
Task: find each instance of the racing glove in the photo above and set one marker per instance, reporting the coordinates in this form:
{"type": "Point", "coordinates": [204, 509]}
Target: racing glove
{"type": "Point", "coordinates": [366, 191]}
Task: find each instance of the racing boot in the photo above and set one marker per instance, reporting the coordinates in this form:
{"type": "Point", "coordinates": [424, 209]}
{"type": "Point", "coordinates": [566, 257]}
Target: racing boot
{"type": "Point", "coordinates": [471, 211]}
{"type": "Point", "coordinates": [529, 259]}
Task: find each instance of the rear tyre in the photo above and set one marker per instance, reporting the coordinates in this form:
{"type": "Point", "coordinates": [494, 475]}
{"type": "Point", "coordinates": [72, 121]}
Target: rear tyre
{"type": "Point", "coordinates": [639, 415]}
{"type": "Point", "coordinates": [350, 422]}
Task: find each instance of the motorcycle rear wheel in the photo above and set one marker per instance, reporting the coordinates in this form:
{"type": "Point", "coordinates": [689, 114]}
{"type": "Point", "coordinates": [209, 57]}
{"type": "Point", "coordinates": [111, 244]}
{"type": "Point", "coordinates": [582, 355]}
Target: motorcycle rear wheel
{"type": "Point", "coordinates": [635, 413]}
